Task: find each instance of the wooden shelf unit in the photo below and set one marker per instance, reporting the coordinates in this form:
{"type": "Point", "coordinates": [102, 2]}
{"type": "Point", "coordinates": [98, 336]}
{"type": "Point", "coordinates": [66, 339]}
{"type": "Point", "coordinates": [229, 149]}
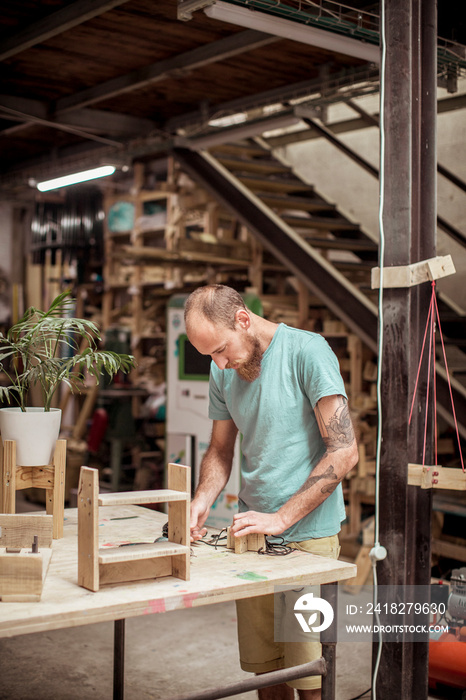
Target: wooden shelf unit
{"type": "Point", "coordinates": [133, 562]}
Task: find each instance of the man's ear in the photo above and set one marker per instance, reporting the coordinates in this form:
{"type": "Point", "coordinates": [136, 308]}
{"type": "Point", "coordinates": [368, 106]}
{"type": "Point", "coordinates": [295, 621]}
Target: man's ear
{"type": "Point", "coordinates": [243, 319]}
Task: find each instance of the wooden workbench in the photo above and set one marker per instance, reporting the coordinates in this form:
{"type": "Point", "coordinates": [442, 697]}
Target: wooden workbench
{"type": "Point", "coordinates": [217, 575]}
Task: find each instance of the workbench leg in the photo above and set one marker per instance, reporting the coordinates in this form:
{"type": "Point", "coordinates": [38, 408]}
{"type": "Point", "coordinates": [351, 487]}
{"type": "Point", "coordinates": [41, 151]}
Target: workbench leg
{"type": "Point", "coordinates": [329, 592]}
{"type": "Point", "coordinates": [119, 660]}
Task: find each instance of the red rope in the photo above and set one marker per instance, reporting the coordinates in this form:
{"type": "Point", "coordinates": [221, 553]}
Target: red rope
{"type": "Point", "coordinates": [448, 376]}
{"type": "Point", "coordinates": [430, 325]}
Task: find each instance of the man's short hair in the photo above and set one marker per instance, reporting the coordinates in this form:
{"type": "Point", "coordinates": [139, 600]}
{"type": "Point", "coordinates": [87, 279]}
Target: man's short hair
{"type": "Point", "coordinates": [217, 303]}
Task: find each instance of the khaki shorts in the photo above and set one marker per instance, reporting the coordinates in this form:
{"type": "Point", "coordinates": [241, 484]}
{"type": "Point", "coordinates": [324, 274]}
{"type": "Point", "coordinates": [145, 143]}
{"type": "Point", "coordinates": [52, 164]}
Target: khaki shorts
{"type": "Point", "coordinates": [258, 651]}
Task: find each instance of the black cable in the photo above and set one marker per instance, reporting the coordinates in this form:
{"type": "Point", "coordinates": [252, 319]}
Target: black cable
{"type": "Point", "coordinates": [362, 694]}
{"type": "Point", "coordinates": [214, 541]}
{"type": "Point", "coordinates": [275, 549]}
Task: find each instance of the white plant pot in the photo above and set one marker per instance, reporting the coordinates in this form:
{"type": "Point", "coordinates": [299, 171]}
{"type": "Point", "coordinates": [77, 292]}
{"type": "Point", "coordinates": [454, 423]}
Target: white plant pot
{"type": "Point", "coordinates": [35, 432]}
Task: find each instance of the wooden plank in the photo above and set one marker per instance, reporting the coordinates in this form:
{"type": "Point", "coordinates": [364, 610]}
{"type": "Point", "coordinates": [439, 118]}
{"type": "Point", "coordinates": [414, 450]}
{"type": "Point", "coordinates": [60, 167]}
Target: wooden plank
{"type": "Point", "coordinates": [436, 477]}
{"type": "Point", "coordinates": [136, 570]}
{"type": "Point", "coordinates": [8, 477]}
{"type": "Point", "coordinates": [258, 184]}
{"type": "Point", "coordinates": [124, 498]}
{"type": "Point", "coordinates": [449, 550]}
{"type": "Point", "coordinates": [179, 479]}
{"type": "Point", "coordinates": [261, 167]}
{"type": "Point", "coordinates": [88, 538]}
{"type": "Point", "coordinates": [416, 273]}
{"type": "Point", "coordinates": [132, 552]}
{"type": "Point", "coordinates": [58, 490]}
{"type": "Point", "coordinates": [19, 530]}
{"type": "Point", "coordinates": [34, 477]}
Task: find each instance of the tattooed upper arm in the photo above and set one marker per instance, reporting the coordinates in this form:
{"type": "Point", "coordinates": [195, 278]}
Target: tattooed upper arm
{"type": "Point", "coordinates": [334, 421]}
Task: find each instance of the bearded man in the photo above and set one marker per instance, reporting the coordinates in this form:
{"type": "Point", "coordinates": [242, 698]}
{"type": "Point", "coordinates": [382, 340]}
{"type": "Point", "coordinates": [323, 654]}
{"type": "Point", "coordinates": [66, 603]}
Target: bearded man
{"type": "Point", "coordinates": [280, 387]}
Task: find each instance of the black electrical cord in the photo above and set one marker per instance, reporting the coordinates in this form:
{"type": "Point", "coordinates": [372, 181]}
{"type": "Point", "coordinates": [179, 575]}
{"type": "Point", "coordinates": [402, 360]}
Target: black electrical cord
{"type": "Point", "coordinates": [362, 694]}
{"type": "Point", "coordinates": [214, 541]}
{"type": "Point", "coordinates": [275, 549]}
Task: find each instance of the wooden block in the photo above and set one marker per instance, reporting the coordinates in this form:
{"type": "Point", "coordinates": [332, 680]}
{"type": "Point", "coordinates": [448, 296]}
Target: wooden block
{"type": "Point", "coordinates": [88, 539]}
{"type": "Point", "coordinates": [256, 541]}
{"type": "Point", "coordinates": [22, 575]}
{"type": "Point", "coordinates": [19, 530]}
{"type": "Point", "coordinates": [241, 544]}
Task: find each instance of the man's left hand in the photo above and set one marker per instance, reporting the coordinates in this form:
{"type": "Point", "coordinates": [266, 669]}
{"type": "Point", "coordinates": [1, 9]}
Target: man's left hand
{"type": "Point", "coordinates": [251, 521]}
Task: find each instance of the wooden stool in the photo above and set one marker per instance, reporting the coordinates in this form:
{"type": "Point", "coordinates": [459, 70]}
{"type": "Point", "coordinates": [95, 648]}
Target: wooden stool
{"type": "Point", "coordinates": [50, 477]}
{"type": "Point", "coordinates": [140, 561]}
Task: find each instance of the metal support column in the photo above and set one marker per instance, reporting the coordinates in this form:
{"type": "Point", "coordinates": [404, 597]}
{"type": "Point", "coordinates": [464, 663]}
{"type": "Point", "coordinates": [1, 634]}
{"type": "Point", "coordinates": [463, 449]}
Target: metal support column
{"type": "Point", "coordinates": [409, 217]}
{"type": "Point", "coordinates": [119, 660]}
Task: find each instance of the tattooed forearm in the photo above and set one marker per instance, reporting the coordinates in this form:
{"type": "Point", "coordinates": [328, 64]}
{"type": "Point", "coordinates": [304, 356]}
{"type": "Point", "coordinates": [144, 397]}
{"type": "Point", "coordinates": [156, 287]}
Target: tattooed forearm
{"type": "Point", "coordinates": [328, 475]}
{"type": "Point", "coordinates": [337, 430]}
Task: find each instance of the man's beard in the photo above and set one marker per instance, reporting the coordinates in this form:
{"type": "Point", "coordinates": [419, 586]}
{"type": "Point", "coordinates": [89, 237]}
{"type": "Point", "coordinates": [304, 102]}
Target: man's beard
{"type": "Point", "coordinates": [250, 369]}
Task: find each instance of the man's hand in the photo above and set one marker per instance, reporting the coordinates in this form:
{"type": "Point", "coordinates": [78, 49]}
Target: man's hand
{"type": "Point", "coordinates": [251, 521]}
{"type": "Point", "coordinates": [199, 513]}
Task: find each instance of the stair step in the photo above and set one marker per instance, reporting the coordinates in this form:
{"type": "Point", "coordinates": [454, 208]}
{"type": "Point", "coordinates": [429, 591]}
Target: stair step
{"type": "Point", "coordinates": [262, 167]}
{"type": "Point", "coordinates": [138, 498]}
{"type": "Point", "coordinates": [275, 184]}
{"type": "Point", "coordinates": [354, 245]}
{"type": "Point", "coordinates": [238, 149]}
{"type": "Point", "coordinates": [361, 266]}
{"type": "Point", "coordinates": [322, 223]}
{"type": "Point", "coordinates": [116, 555]}
{"type": "Point", "coordinates": [299, 203]}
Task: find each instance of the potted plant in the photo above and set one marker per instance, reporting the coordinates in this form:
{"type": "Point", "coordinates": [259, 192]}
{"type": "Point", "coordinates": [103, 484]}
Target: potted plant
{"type": "Point", "coordinates": [46, 348]}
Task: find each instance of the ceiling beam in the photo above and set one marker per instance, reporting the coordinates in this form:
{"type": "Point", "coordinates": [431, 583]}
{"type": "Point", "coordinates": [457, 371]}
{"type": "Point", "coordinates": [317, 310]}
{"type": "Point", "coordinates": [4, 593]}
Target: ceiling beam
{"type": "Point", "coordinates": [55, 23]}
{"type": "Point", "coordinates": [96, 121]}
{"type": "Point", "coordinates": [194, 59]}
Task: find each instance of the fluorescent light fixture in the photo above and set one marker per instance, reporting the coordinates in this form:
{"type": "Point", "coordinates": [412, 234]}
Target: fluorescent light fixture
{"type": "Point", "coordinates": [252, 19]}
{"type": "Point", "coordinates": [73, 179]}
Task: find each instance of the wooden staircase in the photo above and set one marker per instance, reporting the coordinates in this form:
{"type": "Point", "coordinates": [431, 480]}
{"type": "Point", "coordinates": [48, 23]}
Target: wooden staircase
{"type": "Point", "coordinates": [329, 253]}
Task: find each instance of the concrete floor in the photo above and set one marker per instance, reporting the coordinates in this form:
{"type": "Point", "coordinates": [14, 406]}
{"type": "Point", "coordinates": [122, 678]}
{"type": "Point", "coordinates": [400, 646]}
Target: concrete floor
{"type": "Point", "coordinates": [169, 654]}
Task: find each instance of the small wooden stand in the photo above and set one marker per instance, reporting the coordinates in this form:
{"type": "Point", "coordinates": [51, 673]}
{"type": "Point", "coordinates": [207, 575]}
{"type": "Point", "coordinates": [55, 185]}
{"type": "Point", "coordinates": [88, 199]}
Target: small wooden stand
{"type": "Point", "coordinates": [140, 561]}
{"type": "Point", "coordinates": [50, 477]}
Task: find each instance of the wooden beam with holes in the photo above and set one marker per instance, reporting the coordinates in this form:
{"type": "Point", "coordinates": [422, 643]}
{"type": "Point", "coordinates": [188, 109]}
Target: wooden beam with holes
{"type": "Point", "coordinates": [436, 477]}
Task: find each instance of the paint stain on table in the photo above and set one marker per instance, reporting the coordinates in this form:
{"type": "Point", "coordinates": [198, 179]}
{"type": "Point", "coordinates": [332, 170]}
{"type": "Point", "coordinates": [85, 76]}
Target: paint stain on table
{"type": "Point", "coordinates": [251, 576]}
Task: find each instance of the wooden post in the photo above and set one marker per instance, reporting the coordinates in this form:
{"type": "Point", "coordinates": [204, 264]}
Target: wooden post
{"type": "Point", "coordinates": [410, 227]}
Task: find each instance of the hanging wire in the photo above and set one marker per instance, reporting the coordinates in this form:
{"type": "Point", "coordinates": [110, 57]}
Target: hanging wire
{"type": "Point", "coordinates": [432, 319]}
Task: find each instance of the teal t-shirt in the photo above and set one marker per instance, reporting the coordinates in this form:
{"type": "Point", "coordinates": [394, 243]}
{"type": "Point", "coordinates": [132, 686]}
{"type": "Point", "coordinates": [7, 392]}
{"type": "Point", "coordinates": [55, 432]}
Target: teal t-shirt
{"type": "Point", "coordinates": [281, 442]}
